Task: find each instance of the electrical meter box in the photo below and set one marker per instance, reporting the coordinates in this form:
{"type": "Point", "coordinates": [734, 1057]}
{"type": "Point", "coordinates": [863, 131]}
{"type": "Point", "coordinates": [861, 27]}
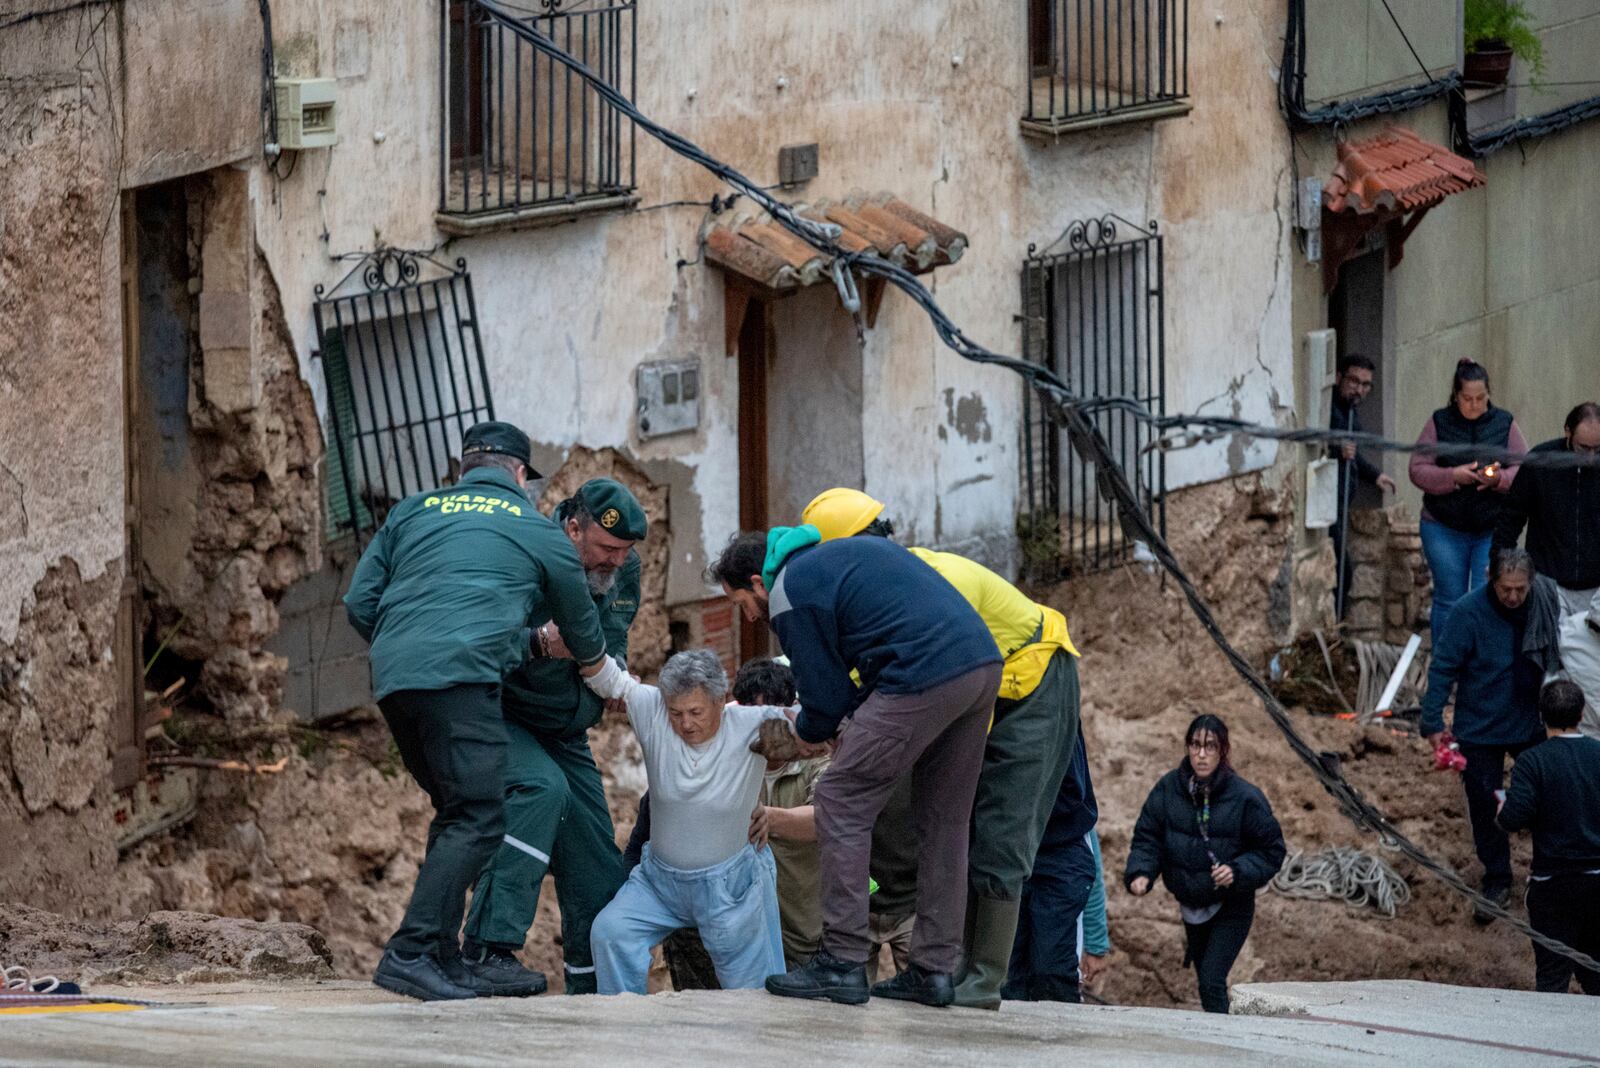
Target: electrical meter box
{"type": "Point", "coordinates": [306, 113]}
{"type": "Point", "coordinates": [669, 397]}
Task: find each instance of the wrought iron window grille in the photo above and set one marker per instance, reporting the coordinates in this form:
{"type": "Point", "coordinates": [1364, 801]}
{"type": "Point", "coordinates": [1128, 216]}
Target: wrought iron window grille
{"type": "Point", "coordinates": [404, 368]}
{"type": "Point", "coordinates": [522, 135]}
{"type": "Point", "coordinates": [1096, 62]}
{"type": "Point", "coordinates": [1093, 310]}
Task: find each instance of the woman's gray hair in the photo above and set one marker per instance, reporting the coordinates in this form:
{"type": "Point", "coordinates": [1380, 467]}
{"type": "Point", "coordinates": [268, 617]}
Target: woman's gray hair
{"type": "Point", "coordinates": [694, 669]}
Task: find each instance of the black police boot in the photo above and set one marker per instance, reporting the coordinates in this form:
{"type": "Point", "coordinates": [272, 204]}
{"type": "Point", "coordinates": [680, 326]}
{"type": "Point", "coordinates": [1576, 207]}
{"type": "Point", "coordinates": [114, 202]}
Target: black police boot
{"type": "Point", "coordinates": [918, 984]}
{"type": "Point", "coordinates": [420, 976]}
{"type": "Point", "coordinates": [824, 977]}
{"type": "Point", "coordinates": [494, 972]}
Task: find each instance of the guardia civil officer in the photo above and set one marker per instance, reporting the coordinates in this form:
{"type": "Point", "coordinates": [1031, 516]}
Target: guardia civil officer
{"type": "Point", "coordinates": [557, 819]}
{"type": "Point", "coordinates": [444, 593]}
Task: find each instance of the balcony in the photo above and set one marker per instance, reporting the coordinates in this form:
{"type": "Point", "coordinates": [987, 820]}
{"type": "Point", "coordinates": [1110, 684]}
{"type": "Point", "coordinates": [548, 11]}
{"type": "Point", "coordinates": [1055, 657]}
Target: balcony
{"type": "Point", "coordinates": [1094, 63]}
{"type": "Point", "coordinates": [525, 141]}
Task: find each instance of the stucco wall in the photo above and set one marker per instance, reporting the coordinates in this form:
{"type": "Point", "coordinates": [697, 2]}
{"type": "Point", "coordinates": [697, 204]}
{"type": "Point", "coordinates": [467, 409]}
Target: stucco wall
{"type": "Point", "coordinates": [915, 98]}
{"type": "Point", "coordinates": [1508, 275]}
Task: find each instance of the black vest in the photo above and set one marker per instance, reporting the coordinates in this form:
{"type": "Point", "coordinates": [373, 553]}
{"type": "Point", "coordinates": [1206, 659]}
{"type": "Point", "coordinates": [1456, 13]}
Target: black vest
{"type": "Point", "coordinates": [1466, 508]}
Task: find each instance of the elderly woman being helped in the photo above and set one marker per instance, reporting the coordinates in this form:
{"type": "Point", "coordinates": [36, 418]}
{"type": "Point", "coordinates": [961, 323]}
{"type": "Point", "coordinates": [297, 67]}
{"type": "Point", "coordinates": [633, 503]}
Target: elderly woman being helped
{"type": "Point", "coordinates": [699, 868]}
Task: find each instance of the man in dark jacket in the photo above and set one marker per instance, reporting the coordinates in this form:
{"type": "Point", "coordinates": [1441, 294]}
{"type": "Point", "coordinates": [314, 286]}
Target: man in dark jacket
{"type": "Point", "coordinates": [443, 593]}
{"type": "Point", "coordinates": [1555, 793]}
{"type": "Point", "coordinates": [929, 672]}
{"type": "Point", "coordinates": [557, 818]}
{"type": "Point", "coordinates": [1354, 383]}
{"type": "Point", "coordinates": [1560, 506]}
{"type": "Point", "coordinates": [1481, 657]}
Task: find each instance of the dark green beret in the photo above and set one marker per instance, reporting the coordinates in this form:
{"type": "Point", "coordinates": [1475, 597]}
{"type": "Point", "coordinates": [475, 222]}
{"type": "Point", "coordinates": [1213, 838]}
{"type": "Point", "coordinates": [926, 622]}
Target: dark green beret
{"type": "Point", "coordinates": [502, 438]}
{"type": "Point", "coordinates": [614, 508]}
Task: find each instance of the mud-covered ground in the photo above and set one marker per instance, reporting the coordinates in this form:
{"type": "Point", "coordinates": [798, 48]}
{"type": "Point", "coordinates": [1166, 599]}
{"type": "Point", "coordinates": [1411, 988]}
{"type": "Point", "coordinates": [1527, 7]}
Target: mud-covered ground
{"type": "Point", "coordinates": [334, 839]}
{"type": "Point", "coordinates": [1148, 668]}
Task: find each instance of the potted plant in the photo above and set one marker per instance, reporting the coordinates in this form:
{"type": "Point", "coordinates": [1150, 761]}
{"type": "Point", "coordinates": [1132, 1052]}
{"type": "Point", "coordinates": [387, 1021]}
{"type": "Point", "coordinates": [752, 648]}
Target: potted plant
{"type": "Point", "coordinates": [1493, 32]}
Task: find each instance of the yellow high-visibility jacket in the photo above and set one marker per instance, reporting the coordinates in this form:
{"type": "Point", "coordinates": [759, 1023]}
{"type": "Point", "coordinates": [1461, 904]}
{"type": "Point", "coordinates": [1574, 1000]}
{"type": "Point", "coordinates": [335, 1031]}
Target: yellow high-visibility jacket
{"type": "Point", "coordinates": [1012, 618]}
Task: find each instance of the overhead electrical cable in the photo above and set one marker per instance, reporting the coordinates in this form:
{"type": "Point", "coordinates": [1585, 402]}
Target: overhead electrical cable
{"type": "Point", "coordinates": [1072, 413]}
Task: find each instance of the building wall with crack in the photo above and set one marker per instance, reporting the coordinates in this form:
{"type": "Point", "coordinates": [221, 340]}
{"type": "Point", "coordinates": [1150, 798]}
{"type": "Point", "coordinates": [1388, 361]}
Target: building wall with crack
{"type": "Point", "coordinates": [921, 100]}
{"type": "Point", "coordinates": [149, 403]}
{"type": "Point", "coordinates": [105, 104]}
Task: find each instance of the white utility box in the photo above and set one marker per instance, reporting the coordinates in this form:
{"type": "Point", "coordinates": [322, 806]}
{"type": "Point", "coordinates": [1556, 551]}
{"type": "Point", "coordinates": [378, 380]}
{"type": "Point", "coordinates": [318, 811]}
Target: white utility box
{"type": "Point", "coordinates": [1322, 494]}
{"type": "Point", "coordinates": [306, 113]}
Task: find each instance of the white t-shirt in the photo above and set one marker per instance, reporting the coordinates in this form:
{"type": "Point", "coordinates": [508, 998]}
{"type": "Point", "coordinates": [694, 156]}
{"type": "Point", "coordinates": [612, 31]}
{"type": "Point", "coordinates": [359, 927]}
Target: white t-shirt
{"type": "Point", "coordinates": [1580, 656]}
{"type": "Point", "coordinates": [701, 796]}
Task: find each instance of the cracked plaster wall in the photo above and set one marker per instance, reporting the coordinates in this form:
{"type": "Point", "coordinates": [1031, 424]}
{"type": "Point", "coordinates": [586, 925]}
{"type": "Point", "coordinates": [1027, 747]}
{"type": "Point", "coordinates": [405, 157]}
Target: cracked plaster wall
{"type": "Point", "coordinates": [95, 101]}
{"type": "Point", "coordinates": [921, 99]}
{"type": "Point", "coordinates": [1508, 274]}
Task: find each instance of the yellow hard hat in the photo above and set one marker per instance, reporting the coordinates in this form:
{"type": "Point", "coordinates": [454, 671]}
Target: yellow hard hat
{"type": "Point", "coordinates": [841, 512]}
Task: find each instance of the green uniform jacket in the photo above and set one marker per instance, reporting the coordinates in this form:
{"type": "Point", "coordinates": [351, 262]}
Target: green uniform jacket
{"type": "Point", "coordinates": [548, 697]}
{"type": "Point", "coordinates": [446, 588]}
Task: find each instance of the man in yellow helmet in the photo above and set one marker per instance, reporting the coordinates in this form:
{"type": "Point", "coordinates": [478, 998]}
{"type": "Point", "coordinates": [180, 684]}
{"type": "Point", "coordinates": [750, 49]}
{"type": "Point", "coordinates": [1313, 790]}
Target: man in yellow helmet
{"type": "Point", "coordinates": [1029, 746]}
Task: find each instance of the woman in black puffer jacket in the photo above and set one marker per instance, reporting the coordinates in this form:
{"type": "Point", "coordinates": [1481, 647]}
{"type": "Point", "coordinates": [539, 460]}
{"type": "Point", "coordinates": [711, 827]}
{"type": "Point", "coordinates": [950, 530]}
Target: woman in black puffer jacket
{"type": "Point", "coordinates": [1214, 841]}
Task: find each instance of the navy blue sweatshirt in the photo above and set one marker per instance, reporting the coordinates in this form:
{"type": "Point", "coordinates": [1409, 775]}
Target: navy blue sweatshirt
{"type": "Point", "coordinates": [1074, 814]}
{"type": "Point", "coordinates": [1555, 793]}
{"type": "Point", "coordinates": [1496, 686]}
{"type": "Point", "coordinates": [868, 604]}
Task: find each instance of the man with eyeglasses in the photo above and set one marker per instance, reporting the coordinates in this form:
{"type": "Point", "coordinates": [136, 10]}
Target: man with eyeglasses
{"type": "Point", "coordinates": [1560, 506]}
{"type": "Point", "coordinates": [1355, 382]}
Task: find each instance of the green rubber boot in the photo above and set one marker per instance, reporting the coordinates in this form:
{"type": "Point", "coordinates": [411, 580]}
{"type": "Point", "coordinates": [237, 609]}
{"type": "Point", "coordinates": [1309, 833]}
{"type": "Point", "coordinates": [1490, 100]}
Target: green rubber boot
{"type": "Point", "coordinates": [993, 930]}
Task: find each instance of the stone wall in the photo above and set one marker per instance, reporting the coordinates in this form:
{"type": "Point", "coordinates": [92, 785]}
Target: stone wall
{"type": "Point", "coordinates": [1391, 590]}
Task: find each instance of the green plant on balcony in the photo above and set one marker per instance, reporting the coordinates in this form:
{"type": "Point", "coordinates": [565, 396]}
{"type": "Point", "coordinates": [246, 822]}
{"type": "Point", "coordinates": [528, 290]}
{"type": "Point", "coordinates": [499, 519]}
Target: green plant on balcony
{"type": "Point", "coordinates": [1493, 32]}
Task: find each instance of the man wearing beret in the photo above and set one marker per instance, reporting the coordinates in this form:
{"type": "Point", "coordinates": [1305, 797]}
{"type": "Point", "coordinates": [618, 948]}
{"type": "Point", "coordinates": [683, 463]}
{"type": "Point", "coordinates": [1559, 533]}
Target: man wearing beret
{"type": "Point", "coordinates": [557, 819]}
{"type": "Point", "coordinates": [444, 593]}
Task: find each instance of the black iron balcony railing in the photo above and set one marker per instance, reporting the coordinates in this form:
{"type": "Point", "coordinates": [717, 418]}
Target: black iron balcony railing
{"type": "Point", "coordinates": [520, 132]}
{"type": "Point", "coordinates": [1094, 62]}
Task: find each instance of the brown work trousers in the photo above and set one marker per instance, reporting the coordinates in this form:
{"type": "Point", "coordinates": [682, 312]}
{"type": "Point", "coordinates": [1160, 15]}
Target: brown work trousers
{"type": "Point", "coordinates": [937, 735]}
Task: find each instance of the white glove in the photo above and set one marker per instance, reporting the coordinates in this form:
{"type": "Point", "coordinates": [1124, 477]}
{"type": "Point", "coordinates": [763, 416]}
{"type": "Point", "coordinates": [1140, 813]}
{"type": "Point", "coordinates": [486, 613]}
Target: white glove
{"type": "Point", "coordinates": [610, 681]}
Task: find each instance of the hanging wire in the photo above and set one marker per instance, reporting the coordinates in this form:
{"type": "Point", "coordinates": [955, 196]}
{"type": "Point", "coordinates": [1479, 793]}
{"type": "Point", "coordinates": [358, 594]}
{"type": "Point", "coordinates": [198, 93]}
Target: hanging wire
{"type": "Point", "coordinates": [1073, 414]}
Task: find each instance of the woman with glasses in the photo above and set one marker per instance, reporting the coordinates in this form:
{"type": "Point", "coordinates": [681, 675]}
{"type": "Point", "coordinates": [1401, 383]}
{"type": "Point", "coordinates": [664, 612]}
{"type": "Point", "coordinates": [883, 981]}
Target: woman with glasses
{"type": "Point", "coordinates": [1212, 838]}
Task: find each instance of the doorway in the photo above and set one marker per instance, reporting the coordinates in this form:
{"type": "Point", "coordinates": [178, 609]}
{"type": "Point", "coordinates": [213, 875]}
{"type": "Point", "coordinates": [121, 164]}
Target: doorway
{"type": "Point", "coordinates": [1355, 313]}
{"type": "Point", "coordinates": [800, 414]}
{"type": "Point", "coordinates": [159, 474]}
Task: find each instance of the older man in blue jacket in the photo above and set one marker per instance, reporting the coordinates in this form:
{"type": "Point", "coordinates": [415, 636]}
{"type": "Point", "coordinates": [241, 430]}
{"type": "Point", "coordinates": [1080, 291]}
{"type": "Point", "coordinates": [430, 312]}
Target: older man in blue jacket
{"type": "Point", "coordinates": [928, 673]}
{"type": "Point", "coordinates": [1485, 658]}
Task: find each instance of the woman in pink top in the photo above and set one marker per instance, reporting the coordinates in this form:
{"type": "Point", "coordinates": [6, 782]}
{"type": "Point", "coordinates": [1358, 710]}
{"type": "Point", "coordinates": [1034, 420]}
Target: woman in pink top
{"type": "Point", "coordinates": [1462, 499]}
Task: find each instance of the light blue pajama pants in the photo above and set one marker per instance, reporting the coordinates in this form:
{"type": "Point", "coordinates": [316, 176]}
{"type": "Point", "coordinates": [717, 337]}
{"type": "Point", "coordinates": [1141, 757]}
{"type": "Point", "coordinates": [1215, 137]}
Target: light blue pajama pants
{"type": "Point", "coordinates": [734, 905]}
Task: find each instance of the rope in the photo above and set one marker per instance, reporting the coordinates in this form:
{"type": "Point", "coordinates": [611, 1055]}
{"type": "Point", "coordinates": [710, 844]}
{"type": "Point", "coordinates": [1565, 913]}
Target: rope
{"type": "Point", "coordinates": [1354, 876]}
{"type": "Point", "coordinates": [1073, 414]}
{"type": "Point", "coordinates": [19, 979]}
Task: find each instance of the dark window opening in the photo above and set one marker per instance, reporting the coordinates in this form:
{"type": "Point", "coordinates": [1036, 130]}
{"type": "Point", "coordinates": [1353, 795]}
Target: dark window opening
{"type": "Point", "coordinates": [1093, 314]}
{"type": "Point", "coordinates": [1105, 59]}
{"type": "Point", "coordinates": [404, 367]}
{"type": "Point", "coordinates": [521, 130]}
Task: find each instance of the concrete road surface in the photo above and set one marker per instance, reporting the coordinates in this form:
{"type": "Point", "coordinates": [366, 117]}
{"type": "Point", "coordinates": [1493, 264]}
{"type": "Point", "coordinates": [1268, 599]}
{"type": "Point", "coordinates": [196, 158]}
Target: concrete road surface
{"type": "Point", "coordinates": [344, 1023]}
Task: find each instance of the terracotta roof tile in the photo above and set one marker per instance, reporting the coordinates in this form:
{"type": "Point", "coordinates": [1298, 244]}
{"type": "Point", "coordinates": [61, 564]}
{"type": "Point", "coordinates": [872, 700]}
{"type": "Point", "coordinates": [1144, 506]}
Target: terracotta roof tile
{"type": "Point", "coordinates": [767, 254]}
{"type": "Point", "coordinates": [1396, 171]}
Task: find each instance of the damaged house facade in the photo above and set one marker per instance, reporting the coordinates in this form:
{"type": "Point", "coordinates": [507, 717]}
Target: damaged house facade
{"type": "Point", "coordinates": [261, 265]}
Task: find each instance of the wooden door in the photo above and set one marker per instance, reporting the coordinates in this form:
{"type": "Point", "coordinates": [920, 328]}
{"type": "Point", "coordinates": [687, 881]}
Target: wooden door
{"type": "Point", "coordinates": [755, 350]}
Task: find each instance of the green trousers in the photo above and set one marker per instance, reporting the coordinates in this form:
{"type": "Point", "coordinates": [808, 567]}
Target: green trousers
{"type": "Point", "coordinates": [556, 820]}
{"type": "Point", "coordinates": [1024, 761]}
